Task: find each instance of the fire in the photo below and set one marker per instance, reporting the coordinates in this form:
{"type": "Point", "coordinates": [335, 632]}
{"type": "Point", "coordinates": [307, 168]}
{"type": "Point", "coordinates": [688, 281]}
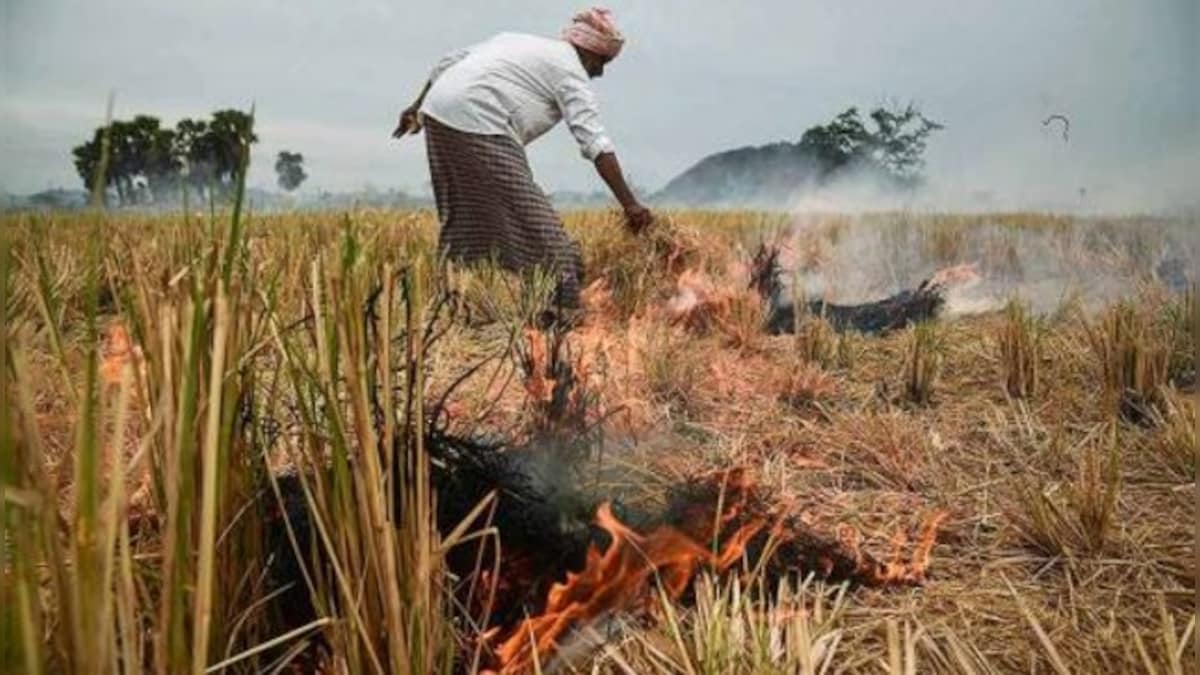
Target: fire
{"type": "Point", "coordinates": [715, 528]}
{"type": "Point", "coordinates": [556, 383]}
{"type": "Point", "coordinates": [539, 380]}
{"type": "Point", "coordinates": [703, 306]}
{"type": "Point", "coordinates": [593, 373]}
{"type": "Point", "coordinates": [958, 275]}
{"type": "Point", "coordinates": [597, 301]}
{"type": "Point", "coordinates": [955, 284]}
{"type": "Point", "coordinates": [117, 351]}
{"type": "Point", "coordinates": [695, 296]}
{"type": "Point", "coordinates": [622, 577]}
{"type": "Point", "coordinates": [894, 570]}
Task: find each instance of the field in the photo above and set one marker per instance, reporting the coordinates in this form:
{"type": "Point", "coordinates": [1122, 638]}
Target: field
{"type": "Point", "coordinates": [168, 380]}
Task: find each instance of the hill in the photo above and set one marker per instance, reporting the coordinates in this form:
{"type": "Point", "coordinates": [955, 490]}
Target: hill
{"type": "Point", "coordinates": [888, 153]}
{"type": "Point", "coordinates": [767, 175]}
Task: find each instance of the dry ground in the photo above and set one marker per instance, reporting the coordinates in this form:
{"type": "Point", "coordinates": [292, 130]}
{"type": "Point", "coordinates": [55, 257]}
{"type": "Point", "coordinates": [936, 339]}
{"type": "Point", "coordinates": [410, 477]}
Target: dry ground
{"type": "Point", "coordinates": [1070, 542]}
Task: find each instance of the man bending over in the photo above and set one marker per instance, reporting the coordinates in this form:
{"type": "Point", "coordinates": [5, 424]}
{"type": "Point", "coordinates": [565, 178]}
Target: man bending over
{"type": "Point", "coordinates": [479, 108]}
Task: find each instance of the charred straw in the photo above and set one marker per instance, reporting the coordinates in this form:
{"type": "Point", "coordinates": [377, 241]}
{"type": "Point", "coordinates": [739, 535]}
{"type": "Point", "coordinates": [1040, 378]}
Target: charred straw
{"type": "Point", "coordinates": [903, 309]}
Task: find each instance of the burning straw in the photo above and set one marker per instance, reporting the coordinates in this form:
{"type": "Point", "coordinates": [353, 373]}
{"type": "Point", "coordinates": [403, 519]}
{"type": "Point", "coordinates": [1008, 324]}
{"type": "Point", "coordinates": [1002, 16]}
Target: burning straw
{"type": "Point", "coordinates": [710, 524]}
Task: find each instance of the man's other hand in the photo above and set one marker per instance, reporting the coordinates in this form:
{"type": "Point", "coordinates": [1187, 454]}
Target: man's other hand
{"type": "Point", "coordinates": [410, 123]}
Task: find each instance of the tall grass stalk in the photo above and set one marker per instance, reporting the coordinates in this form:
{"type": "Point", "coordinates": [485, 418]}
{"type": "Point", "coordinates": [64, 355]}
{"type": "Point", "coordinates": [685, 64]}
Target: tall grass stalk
{"type": "Point", "coordinates": [1020, 346]}
{"type": "Point", "coordinates": [78, 551]}
{"type": "Point", "coordinates": [99, 196]}
{"type": "Point", "coordinates": [816, 341]}
{"type": "Point", "coordinates": [1182, 317]}
{"type": "Point", "coordinates": [1075, 519]}
{"type": "Point", "coordinates": [218, 362]}
{"type": "Point", "coordinates": [923, 364]}
{"type": "Point", "coordinates": [1177, 443]}
{"type": "Point", "coordinates": [19, 616]}
{"type": "Point", "coordinates": [367, 474]}
{"type": "Point", "coordinates": [202, 616]}
{"type": "Point", "coordinates": [794, 628]}
{"type": "Point", "coordinates": [1133, 353]}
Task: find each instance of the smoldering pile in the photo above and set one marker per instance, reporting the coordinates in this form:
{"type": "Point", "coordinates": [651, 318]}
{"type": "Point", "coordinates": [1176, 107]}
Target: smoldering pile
{"type": "Point", "coordinates": [701, 304]}
{"type": "Point", "coordinates": [547, 498]}
{"type": "Point", "coordinates": [908, 307]}
{"type": "Point", "coordinates": [570, 550]}
{"type": "Point", "coordinates": [636, 560]}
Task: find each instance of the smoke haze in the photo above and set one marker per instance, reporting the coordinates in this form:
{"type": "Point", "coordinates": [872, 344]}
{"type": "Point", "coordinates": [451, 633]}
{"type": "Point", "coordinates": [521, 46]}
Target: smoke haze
{"type": "Point", "coordinates": [1049, 262]}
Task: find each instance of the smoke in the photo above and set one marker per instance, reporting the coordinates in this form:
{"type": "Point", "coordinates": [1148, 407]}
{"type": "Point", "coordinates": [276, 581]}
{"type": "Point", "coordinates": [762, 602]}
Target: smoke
{"type": "Point", "coordinates": [1044, 259]}
{"type": "Point", "coordinates": [1056, 176]}
{"type": "Point", "coordinates": [1164, 186]}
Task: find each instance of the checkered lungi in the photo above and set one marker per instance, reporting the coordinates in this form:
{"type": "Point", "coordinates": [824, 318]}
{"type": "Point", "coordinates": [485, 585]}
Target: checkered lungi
{"type": "Point", "coordinates": [490, 208]}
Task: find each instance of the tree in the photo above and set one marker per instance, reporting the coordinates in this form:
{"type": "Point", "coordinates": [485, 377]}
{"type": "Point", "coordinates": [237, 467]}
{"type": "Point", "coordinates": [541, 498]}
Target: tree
{"type": "Point", "coordinates": [191, 137]}
{"type": "Point", "coordinates": [141, 158]}
{"type": "Point", "coordinates": [898, 143]}
{"type": "Point", "coordinates": [122, 159]}
{"type": "Point", "coordinates": [835, 145]}
{"type": "Point", "coordinates": [887, 147]}
{"type": "Point", "coordinates": [148, 159]}
{"type": "Point", "coordinates": [87, 161]}
{"type": "Point", "coordinates": [230, 134]}
{"type": "Point", "coordinates": [894, 149]}
{"type": "Point", "coordinates": [290, 168]}
{"type": "Point", "coordinates": [190, 147]}
{"type": "Point", "coordinates": [151, 160]}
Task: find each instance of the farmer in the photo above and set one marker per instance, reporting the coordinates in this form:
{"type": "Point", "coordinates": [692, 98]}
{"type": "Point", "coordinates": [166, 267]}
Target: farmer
{"type": "Point", "coordinates": [479, 107]}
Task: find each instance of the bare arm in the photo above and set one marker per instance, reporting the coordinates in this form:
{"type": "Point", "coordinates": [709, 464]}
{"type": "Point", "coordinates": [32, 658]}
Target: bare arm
{"type": "Point", "coordinates": [421, 97]}
{"type": "Point", "coordinates": [637, 216]}
{"type": "Point", "coordinates": [610, 170]}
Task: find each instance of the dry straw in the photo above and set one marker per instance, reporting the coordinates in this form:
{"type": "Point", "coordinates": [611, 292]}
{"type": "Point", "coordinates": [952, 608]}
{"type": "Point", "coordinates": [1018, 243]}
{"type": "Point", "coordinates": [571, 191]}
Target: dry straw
{"type": "Point", "coordinates": [294, 346]}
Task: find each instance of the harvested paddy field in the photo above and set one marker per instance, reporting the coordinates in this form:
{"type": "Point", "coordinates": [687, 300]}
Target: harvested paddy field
{"type": "Point", "coordinates": [236, 444]}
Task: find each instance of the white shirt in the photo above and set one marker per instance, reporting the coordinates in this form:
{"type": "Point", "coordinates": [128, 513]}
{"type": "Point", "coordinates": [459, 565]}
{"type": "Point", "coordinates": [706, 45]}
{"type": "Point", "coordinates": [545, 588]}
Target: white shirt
{"type": "Point", "coordinates": [519, 86]}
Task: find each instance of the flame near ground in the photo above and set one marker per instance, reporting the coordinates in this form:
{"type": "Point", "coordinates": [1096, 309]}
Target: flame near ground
{"type": "Point", "coordinates": [730, 520]}
{"type": "Point", "coordinates": [636, 572]}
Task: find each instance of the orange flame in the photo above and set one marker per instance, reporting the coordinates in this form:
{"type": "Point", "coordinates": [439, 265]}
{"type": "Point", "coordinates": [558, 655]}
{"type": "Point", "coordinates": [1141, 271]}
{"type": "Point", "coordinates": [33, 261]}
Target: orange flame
{"type": "Point", "coordinates": [702, 306]}
{"type": "Point", "coordinates": [619, 578]}
{"type": "Point", "coordinates": [556, 383]}
{"type": "Point", "coordinates": [894, 570]}
{"type": "Point", "coordinates": [538, 384]}
{"type": "Point", "coordinates": [695, 295]}
{"type": "Point", "coordinates": [958, 275]}
{"type": "Point", "coordinates": [117, 350]}
{"type": "Point", "coordinates": [636, 570]}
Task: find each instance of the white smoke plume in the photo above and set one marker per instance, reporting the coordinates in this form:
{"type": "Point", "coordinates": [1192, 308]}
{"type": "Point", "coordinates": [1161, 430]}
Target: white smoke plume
{"type": "Point", "coordinates": [1044, 259]}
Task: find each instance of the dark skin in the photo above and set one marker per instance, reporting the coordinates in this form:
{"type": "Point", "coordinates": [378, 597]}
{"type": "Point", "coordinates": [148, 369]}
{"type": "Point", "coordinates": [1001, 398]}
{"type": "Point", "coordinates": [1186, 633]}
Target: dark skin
{"type": "Point", "coordinates": [637, 216]}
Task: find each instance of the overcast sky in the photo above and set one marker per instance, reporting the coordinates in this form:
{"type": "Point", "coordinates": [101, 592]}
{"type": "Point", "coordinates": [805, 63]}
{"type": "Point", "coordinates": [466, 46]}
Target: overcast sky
{"type": "Point", "coordinates": [697, 76]}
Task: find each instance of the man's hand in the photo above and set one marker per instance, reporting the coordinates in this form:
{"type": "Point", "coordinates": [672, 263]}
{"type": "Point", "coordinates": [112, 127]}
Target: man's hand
{"type": "Point", "coordinates": [410, 119]}
{"type": "Point", "coordinates": [638, 218]}
{"type": "Point", "coordinates": [410, 123]}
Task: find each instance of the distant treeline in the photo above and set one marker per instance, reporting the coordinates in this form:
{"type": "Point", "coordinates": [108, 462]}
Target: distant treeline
{"type": "Point", "coordinates": [149, 163]}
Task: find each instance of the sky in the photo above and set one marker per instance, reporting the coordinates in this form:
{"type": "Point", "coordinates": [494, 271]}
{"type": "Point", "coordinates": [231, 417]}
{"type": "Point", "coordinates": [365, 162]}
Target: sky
{"type": "Point", "coordinates": [328, 78]}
